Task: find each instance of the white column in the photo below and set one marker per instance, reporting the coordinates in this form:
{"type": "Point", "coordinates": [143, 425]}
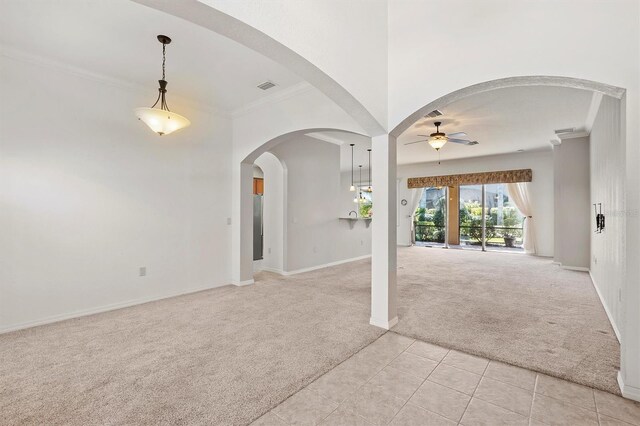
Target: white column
{"type": "Point", "coordinates": [242, 225]}
{"type": "Point", "coordinates": [383, 239]}
{"type": "Point", "coordinates": [446, 217]}
{"type": "Point", "coordinates": [629, 375]}
{"type": "Point", "coordinates": [484, 218]}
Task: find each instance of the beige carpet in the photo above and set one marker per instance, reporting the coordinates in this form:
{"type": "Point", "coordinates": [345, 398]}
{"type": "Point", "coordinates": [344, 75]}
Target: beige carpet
{"type": "Point", "coordinates": [515, 308]}
{"type": "Point", "coordinates": [228, 355]}
{"type": "Point", "coordinates": [223, 356]}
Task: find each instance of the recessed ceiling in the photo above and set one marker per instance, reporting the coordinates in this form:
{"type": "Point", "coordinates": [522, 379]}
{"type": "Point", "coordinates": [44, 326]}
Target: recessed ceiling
{"type": "Point", "coordinates": [502, 121]}
{"type": "Point", "coordinates": [117, 38]}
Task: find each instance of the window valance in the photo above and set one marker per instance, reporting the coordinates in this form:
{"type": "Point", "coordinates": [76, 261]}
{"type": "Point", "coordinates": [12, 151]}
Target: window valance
{"type": "Point", "coordinates": [502, 176]}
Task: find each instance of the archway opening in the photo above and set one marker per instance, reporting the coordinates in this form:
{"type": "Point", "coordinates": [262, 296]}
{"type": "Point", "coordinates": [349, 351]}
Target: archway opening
{"type": "Point", "coordinates": [572, 174]}
{"type": "Point", "coordinates": [305, 204]}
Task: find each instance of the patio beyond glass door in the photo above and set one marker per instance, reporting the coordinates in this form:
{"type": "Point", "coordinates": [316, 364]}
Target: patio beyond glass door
{"type": "Point", "coordinates": [431, 217]}
{"type": "Point", "coordinates": [502, 220]}
{"type": "Point", "coordinates": [470, 217]}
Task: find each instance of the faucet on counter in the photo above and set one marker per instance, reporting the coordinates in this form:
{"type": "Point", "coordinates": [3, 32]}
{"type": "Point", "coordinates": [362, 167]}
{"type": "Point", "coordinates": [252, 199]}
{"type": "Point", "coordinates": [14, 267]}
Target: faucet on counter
{"type": "Point", "coordinates": [354, 212]}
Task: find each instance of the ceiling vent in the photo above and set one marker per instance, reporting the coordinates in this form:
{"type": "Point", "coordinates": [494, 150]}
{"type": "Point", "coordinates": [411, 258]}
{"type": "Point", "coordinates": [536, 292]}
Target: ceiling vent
{"type": "Point", "coordinates": [266, 85]}
{"type": "Point", "coordinates": [563, 131]}
{"type": "Point", "coordinates": [434, 113]}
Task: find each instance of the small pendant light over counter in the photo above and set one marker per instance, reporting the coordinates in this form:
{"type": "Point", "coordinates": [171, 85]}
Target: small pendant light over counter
{"type": "Point", "coordinates": [353, 188]}
{"type": "Point", "coordinates": [162, 120]}
{"type": "Point", "coordinates": [360, 198]}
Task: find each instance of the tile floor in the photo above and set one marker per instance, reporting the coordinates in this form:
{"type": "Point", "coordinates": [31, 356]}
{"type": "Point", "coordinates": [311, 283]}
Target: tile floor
{"type": "Point", "coordinates": [401, 381]}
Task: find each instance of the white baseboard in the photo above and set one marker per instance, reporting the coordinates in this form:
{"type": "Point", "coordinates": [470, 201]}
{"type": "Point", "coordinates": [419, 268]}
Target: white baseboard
{"type": "Point", "coordinates": [383, 323]}
{"type": "Point", "coordinates": [105, 308]}
{"type": "Point", "coordinates": [243, 283]}
{"type": "Point", "coordinates": [575, 268]}
{"type": "Point", "coordinates": [606, 310]}
{"type": "Point", "coordinates": [629, 392]}
{"type": "Point", "coordinates": [274, 270]}
{"type": "Point", "coordinates": [326, 265]}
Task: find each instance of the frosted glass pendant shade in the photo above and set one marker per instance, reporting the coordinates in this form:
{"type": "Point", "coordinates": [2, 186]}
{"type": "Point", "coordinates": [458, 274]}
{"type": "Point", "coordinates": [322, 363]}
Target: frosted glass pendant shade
{"type": "Point", "coordinates": [437, 141]}
{"type": "Point", "coordinates": [352, 189]}
{"type": "Point", "coordinates": [161, 121]}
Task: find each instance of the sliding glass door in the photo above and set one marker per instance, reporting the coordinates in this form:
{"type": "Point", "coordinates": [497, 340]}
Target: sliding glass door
{"type": "Point", "coordinates": [470, 217]}
{"type": "Point", "coordinates": [502, 222]}
{"type": "Point", "coordinates": [431, 217]}
{"type": "Point", "coordinates": [504, 219]}
{"type": "Point", "coordinates": [486, 217]}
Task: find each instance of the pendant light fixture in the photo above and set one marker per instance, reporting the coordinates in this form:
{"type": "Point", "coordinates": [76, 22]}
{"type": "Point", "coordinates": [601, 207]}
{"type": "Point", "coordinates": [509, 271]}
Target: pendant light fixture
{"type": "Point", "coordinates": [358, 197]}
{"type": "Point", "coordinates": [360, 194]}
{"type": "Point", "coordinates": [370, 189]}
{"type": "Point", "coordinates": [161, 120]}
{"type": "Point", "coordinates": [353, 188]}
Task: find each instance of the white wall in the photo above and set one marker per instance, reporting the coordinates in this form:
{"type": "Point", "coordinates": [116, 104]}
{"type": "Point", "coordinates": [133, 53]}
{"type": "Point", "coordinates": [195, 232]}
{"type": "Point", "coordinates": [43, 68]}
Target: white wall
{"type": "Point", "coordinates": [89, 195]}
{"type": "Point", "coordinates": [314, 234]}
{"type": "Point", "coordinates": [273, 218]}
{"type": "Point", "coordinates": [541, 164]}
{"type": "Point", "coordinates": [572, 203]}
{"type": "Point", "coordinates": [607, 187]}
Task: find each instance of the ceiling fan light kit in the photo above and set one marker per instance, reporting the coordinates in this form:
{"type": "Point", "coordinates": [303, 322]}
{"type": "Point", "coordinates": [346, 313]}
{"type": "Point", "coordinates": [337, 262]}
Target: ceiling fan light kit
{"type": "Point", "coordinates": [438, 139]}
{"type": "Point", "coordinates": [162, 120]}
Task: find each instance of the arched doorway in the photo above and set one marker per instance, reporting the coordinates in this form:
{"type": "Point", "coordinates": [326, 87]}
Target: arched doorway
{"type": "Point", "coordinates": [630, 350]}
{"type": "Point", "coordinates": [243, 216]}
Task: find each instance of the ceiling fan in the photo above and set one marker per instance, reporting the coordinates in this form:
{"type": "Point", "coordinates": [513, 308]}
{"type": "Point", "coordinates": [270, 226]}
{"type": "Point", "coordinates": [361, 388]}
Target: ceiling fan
{"type": "Point", "coordinates": [438, 139]}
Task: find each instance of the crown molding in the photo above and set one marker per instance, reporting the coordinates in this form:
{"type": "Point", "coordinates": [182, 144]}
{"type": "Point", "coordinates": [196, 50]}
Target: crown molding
{"type": "Point", "coordinates": [279, 96]}
{"type": "Point", "coordinates": [580, 133]}
{"type": "Point", "coordinates": [325, 138]}
{"type": "Point", "coordinates": [592, 113]}
{"type": "Point", "coordinates": [41, 61]}
{"type": "Point", "coordinates": [596, 99]}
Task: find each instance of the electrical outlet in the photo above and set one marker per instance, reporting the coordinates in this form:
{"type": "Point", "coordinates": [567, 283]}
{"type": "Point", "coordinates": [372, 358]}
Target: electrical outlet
{"type": "Point", "coordinates": [228, 221]}
{"type": "Point", "coordinates": [619, 295]}
{"type": "Point", "coordinates": [269, 250]}
{"type": "Point", "coordinates": [143, 271]}
{"type": "Point", "coordinates": [315, 249]}
{"type": "Point", "coordinates": [361, 242]}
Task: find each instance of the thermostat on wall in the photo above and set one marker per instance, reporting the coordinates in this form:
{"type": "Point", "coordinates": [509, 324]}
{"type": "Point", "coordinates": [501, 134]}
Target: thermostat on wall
{"type": "Point", "coordinates": [403, 202]}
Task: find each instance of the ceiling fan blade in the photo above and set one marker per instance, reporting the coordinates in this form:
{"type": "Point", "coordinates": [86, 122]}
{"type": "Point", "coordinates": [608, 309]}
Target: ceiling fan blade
{"type": "Point", "coordinates": [456, 134]}
{"type": "Point", "coordinates": [411, 143]}
{"type": "Point", "coordinates": [462, 141]}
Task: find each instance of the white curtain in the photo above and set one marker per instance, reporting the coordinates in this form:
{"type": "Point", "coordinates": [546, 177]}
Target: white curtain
{"type": "Point", "coordinates": [416, 195]}
{"type": "Point", "coordinates": [520, 195]}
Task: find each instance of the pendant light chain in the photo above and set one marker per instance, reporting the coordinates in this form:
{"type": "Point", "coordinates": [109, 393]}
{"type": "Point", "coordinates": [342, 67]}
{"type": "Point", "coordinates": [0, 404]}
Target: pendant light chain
{"type": "Point", "coordinates": [360, 184]}
{"type": "Point", "coordinates": [164, 57]}
{"type": "Point", "coordinates": [352, 185]}
{"type": "Point", "coordinates": [163, 83]}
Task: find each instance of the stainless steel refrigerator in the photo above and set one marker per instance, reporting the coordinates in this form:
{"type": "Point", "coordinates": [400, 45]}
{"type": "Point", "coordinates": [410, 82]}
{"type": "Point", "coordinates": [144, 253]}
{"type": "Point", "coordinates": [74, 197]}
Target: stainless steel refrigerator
{"type": "Point", "coordinates": [257, 227]}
